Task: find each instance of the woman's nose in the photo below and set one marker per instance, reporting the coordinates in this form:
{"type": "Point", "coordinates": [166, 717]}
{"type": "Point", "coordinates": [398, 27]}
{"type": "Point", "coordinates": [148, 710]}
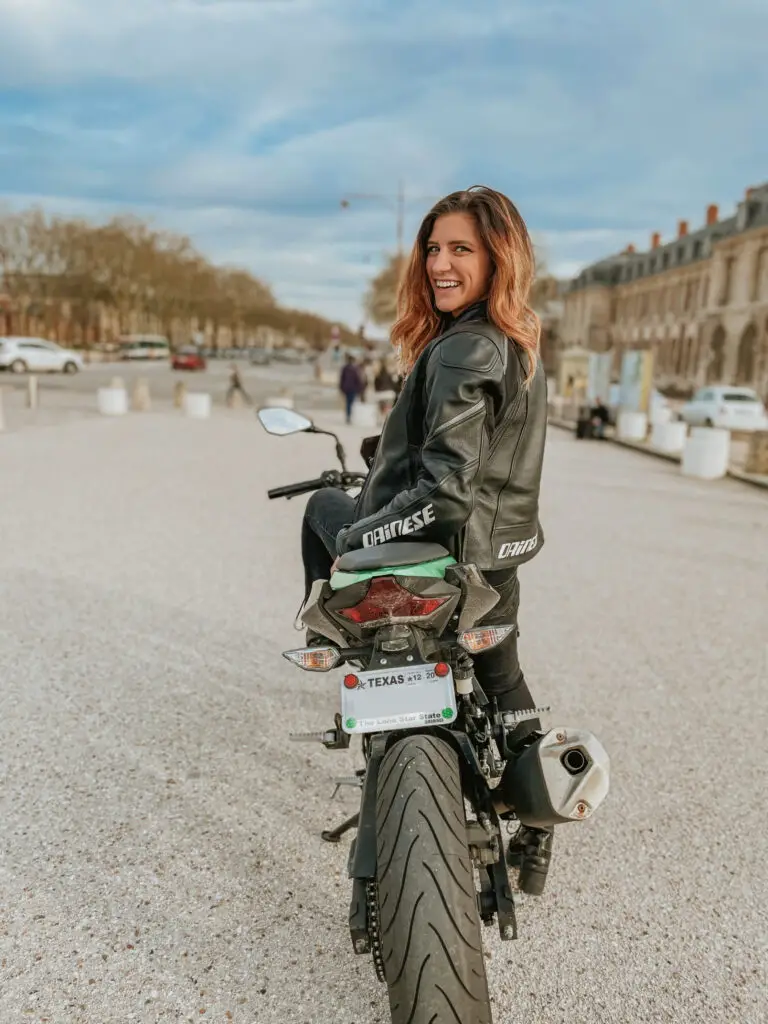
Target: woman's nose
{"type": "Point", "coordinates": [442, 261]}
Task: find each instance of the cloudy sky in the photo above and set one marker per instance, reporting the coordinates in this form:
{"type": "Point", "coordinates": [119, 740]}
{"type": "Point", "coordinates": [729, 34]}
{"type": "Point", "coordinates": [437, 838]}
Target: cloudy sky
{"type": "Point", "coordinates": [243, 123]}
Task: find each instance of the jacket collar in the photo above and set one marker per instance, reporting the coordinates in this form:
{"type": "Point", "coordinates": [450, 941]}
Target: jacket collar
{"type": "Point", "coordinates": [477, 311]}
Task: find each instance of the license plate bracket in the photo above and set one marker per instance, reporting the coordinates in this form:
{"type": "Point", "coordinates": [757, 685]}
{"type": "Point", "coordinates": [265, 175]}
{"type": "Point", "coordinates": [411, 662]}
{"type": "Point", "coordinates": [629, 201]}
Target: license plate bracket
{"type": "Point", "coordinates": [406, 697]}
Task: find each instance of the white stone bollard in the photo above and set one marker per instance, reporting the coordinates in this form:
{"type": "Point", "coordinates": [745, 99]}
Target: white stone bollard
{"type": "Point", "coordinates": [365, 414]}
{"type": "Point", "coordinates": [632, 426]}
{"type": "Point", "coordinates": [279, 402]}
{"type": "Point", "coordinates": [669, 437]}
{"type": "Point", "coordinates": [113, 401]}
{"type": "Point", "coordinates": [197, 405]}
{"type": "Point", "coordinates": [660, 414]}
{"type": "Point", "coordinates": [2, 417]}
{"type": "Point", "coordinates": [32, 392]}
{"type": "Point", "coordinates": [706, 453]}
{"type": "Point", "coordinates": [557, 405]}
{"type": "Point", "coordinates": [141, 397]}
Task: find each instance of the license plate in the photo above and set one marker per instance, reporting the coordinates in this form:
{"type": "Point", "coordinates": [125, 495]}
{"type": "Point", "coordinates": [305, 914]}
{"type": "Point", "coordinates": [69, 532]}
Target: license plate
{"type": "Point", "coordinates": [398, 698]}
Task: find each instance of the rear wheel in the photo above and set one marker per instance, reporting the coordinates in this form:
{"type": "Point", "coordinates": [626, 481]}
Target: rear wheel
{"type": "Point", "coordinates": [429, 924]}
{"type": "Point", "coordinates": [70, 367]}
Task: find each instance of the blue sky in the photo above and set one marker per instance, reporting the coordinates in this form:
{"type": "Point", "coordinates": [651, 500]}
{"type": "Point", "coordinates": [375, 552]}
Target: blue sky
{"type": "Point", "coordinates": [243, 123]}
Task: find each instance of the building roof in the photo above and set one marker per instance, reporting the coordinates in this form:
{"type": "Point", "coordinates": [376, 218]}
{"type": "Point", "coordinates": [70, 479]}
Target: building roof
{"type": "Point", "coordinates": [689, 248]}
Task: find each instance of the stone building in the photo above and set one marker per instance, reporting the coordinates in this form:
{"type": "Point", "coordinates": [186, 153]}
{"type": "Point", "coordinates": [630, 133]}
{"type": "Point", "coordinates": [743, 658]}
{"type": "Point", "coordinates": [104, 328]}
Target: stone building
{"type": "Point", "coordinates": [699, 301]}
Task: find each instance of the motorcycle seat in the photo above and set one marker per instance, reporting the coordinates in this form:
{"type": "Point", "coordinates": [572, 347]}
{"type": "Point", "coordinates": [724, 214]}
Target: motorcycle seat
{"type": "Point", "coordinates": [392, 555]}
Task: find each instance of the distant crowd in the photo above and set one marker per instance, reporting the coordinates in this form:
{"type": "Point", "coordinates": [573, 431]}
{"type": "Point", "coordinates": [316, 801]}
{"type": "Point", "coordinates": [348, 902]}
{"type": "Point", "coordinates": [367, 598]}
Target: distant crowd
{"type": "Point", "coordinates": [357, 377]}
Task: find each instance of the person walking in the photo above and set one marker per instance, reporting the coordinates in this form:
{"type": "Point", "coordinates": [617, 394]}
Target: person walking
{"type": "Point", "coordinates": [236, 386]}
{"type": "Point", "coordinates": [350, 384]}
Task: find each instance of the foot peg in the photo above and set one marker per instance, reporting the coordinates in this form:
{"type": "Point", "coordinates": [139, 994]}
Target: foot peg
{"type": "Point", "coordinates": [332, 739]}
{"type": "Point", "coordinates": [530, 850]}
{"type": "Point", "coordinates": [356, 781]}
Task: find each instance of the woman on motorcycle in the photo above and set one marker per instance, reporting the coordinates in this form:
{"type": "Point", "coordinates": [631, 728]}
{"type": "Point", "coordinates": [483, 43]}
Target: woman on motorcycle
{"type": "Point", "coordinates": [459, 459]}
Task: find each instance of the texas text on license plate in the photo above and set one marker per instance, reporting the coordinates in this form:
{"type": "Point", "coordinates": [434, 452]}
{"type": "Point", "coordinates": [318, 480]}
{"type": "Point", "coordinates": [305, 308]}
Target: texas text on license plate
{"type": "Point", "coordinates": [397, 698]}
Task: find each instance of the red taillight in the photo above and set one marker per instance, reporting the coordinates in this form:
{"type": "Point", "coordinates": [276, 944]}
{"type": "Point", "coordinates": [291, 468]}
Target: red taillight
{"type": "Point", "coordinates": [386, 598]}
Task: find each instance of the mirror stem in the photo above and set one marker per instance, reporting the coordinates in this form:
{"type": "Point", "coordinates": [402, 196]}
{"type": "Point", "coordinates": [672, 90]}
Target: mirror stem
{"type": "Point", "coordinates": [340, 454]}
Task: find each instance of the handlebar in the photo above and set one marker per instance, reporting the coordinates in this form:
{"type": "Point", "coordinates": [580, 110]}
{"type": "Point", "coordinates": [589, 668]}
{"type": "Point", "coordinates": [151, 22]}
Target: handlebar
{"type": "Point", "coordinates": [331, 478]}
{"type": "Point", "coordinates": [293, 490]}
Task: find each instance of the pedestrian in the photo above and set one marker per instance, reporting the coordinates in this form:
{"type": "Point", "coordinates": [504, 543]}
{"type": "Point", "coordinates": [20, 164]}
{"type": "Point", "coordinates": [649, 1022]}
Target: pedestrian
{"type": "Point", "coordinates": [461, 451]}
{"type": "Point", "coordinates": [384, 386]}
{"type": "Point", "coordinates": [350, 384]}
{"type": "Point", "coordinates": [236, 386]}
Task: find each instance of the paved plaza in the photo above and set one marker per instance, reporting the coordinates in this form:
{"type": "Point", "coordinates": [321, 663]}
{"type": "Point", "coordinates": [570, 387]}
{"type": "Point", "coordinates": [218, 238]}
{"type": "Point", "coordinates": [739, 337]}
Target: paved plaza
{"type": "Point", "coordinates": [160, 858]}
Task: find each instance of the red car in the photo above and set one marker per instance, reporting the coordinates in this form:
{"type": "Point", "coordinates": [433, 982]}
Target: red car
{"type": "Point", "coordinates": [188, 359]}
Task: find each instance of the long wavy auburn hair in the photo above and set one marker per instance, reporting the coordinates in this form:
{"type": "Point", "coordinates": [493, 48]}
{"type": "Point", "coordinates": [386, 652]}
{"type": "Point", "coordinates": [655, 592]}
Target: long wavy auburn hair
{"type": "Point", "coordinates": [506, 238]}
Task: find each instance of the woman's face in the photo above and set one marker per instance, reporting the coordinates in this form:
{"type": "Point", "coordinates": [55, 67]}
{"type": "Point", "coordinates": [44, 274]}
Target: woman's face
{"type": "Point", "coordinates": [458, 264]}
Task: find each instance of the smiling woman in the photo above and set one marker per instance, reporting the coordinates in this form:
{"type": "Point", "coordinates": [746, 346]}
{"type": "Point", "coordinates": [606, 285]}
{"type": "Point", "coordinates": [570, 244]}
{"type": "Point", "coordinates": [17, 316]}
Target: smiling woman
{"type": "Point", "coordinates": [472, 245]}
{"type": "Point", "coordinates": [459, 460]}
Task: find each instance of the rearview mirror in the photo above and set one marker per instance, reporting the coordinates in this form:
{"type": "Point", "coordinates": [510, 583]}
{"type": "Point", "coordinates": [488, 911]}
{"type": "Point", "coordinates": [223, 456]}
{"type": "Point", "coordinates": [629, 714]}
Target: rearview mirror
{"type": "Point", "coordinates": [283, 421]}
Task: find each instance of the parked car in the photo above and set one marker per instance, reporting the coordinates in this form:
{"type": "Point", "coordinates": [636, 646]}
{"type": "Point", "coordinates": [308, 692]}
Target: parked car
{"type": "Point", "coordinates": [188, 358]}
{"type": "Point", "coordinates": [730, 407]}
{"type": "Point", "coordinates": [260, 357]}
{"type": "Point", "coordinates": [36, 355]}
{"type": "Point", "coordinates": [144, 346]}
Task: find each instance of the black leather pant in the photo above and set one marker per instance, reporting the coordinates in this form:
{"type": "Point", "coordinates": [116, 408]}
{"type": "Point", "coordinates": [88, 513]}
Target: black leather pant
{"type": "Point", "coordinates": [498, 671]}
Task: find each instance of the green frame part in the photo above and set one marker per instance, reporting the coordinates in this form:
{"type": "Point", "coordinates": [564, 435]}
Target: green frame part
{"type": "Point", "coordinates": [435, 568]}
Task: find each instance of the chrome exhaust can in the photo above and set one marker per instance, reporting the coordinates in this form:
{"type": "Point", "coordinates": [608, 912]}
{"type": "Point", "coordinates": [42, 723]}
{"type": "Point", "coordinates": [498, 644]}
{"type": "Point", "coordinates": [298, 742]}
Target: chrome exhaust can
{"type": "Point", "coordinates": [562, 776]}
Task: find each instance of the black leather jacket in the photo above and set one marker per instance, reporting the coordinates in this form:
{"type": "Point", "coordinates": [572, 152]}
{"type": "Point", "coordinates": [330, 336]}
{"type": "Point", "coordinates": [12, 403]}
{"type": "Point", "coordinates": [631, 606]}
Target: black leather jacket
{"type": "Point", "coordinates": [460, 457]}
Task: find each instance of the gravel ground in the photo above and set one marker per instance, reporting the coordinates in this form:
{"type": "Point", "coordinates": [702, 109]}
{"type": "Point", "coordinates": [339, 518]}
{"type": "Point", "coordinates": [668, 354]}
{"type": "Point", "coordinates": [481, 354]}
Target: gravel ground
{"type": "Point", "coordinates": [160, 851]}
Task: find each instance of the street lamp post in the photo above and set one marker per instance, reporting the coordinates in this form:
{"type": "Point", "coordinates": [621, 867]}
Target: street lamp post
{"type": "Point", "coordinates": [397, 202]}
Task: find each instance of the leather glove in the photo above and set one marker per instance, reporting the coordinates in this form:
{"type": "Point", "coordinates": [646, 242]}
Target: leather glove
{"type": "Point", "coordinates": [368, 449]}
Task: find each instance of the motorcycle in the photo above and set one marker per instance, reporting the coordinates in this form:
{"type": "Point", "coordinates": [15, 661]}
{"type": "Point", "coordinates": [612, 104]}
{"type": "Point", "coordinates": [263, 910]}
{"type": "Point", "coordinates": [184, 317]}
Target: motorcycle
{"type": "Point", "coordinates": [443, 767]}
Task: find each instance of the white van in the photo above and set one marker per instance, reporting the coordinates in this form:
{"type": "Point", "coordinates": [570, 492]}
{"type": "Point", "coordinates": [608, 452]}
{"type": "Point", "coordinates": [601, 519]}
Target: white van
{"type": "Point", "coordinates": [144, 346]}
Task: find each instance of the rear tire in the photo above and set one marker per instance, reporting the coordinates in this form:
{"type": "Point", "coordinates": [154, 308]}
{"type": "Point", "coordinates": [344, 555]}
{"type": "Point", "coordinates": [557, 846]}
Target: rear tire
{"type": "Point", "coordinates": [430, 928]}
{"type": "Point", "coordinates": [70, 367]}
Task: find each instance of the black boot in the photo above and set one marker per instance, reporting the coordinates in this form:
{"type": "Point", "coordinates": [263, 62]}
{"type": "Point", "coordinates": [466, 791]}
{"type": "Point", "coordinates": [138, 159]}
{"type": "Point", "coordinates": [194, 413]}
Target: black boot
{"type": "Point", "coordinates": [530, 850]}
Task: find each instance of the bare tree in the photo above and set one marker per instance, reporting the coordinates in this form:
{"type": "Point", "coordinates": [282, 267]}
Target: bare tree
{"type": "Point", "coordinates": [381, 298]}
{"type": "Point", "coordinates": [137, 272]}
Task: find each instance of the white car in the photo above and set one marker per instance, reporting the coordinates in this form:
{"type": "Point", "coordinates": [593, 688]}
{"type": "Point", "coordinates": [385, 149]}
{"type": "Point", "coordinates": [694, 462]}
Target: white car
{"type": "Point", "coordinates": [36, 355]}
{"type": "Point", "coordinates": [731, 408]}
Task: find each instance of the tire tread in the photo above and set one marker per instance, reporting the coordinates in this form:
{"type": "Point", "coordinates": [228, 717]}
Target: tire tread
{"type": "Point", "coordinates": [430, 928]}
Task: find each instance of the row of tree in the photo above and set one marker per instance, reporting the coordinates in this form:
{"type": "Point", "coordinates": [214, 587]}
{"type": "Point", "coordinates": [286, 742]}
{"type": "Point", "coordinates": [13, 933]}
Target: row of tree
{"type": "Point", "coordinates": [130, 267]}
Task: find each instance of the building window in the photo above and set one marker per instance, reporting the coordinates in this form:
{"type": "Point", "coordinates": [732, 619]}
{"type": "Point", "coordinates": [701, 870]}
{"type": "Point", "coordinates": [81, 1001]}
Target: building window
{"type": "Point", "coordinates": [697, 249]}
{"type": "Point", "coordinates": [665, 260]}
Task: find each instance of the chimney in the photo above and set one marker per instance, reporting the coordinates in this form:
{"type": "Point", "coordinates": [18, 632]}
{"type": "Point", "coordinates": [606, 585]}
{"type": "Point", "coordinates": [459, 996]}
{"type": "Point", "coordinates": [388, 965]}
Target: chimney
{"type": "Point", "coordinates": [631, 247]}
{"type": "Point", "coordinates": [655, 239]}
{"type": "Point", "coordinates": [748, 193]}
{"type": "Point", "coordinates": [682, 228]}
{"type": "Point", "coordinates": [712, 214]}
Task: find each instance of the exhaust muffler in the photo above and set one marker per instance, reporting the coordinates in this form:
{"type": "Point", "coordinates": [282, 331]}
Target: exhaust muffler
{"type": "Point", "coordinates": [562, 776]}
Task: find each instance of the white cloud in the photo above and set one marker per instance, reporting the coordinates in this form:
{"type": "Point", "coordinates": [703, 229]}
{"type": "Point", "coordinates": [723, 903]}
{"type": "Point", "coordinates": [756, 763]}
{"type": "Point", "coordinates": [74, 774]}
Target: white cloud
{"type": "Point", "coordinates": [244, 123]}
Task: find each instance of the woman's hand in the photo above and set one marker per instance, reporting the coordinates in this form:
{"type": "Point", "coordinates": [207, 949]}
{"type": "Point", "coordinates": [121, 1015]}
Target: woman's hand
{"type": "Point", "coordinates": [335, 565]}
